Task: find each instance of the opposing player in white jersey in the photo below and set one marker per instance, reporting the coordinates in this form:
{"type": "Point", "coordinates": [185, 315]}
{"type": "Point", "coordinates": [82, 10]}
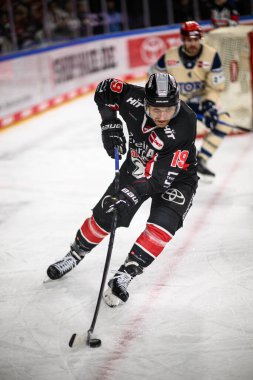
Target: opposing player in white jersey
{"type": "Point", "coordinates": [198, 71]}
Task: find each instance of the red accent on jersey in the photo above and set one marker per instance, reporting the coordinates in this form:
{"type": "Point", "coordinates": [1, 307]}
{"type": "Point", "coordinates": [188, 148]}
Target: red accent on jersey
{"type": "Point", "coordinates": [186, 166]}
{"type": "Point", "coordinates": [147, 128]}
{"type": "Point", "coordinates": [172, 62]}
{"type": "Point", "coordinates": [149, 167]}
{"type": "Point", "coordinates": [153, 239]}
{"type": "Point", "coordinates": [134, 153]}
{"type": "Point", "coordinates": [114, 107]}
{"type": "Point", "coordinates": [203, 64]}
{"type": "Point", "coordinates": [117, 86]}
{"type": "Point", "coordinates": [155, 141]}
{"type": "Point", "coordinates": [179, 158]}
{"type": "Point", "coordinates": [92, 232]}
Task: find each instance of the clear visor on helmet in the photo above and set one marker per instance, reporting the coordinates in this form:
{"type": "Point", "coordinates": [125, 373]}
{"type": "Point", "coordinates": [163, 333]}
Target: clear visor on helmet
{"type": "Point", "coordinates": [162, 107]}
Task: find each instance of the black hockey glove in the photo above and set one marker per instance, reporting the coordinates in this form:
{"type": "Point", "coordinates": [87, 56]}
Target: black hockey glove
{"type": "Point", "coordinates": [113, 136]}
{"type": "Point", "coordinates": [123, 201]}
{"type": "Point", "coordinates": [210, 114]}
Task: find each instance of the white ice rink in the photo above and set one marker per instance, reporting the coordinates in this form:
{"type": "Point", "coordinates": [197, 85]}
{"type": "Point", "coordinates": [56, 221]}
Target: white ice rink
{"type": "Point", "coordinates": [189, 316]}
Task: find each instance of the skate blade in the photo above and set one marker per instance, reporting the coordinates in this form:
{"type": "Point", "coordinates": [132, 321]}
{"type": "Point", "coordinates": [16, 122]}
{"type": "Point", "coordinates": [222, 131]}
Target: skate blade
{"type": "Point", "coordinates": [110, 299]}
{"type": "Point", "coordinates": [47, 280]}
{"type": "Point", "coordinates": [50, 280]}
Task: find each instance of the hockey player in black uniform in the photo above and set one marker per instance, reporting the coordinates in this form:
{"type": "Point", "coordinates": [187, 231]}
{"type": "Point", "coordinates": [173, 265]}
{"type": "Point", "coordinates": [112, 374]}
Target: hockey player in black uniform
{"type": "Point", "coordinates": [160, 163]}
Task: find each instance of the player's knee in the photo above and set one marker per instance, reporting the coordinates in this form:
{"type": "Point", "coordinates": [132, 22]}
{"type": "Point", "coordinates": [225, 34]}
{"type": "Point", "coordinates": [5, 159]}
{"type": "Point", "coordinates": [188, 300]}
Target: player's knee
{"type": "Point", "coordinates": [169, 219]}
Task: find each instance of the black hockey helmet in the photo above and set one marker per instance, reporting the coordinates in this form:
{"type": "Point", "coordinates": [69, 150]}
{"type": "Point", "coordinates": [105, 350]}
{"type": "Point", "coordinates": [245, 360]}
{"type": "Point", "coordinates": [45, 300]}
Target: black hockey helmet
{"type": "Point", "coordinates": [161, 90]}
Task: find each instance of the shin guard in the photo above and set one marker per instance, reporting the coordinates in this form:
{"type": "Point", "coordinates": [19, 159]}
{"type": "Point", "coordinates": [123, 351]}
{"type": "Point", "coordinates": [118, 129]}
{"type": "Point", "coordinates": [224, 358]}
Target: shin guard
{"type": "Point", "coordinates": [90, 234]}
{"type": "Point", "coordinates": [149, 244]}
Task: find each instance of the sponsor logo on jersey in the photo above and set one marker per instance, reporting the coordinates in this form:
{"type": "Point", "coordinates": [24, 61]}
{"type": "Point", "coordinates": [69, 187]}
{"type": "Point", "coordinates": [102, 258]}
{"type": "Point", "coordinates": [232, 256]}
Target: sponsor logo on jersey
{"type": "Point", "coordinates": [172, 63]}
{"type": "Point", "coordinates": [134, 153]}
{"type": "Point", "coordinates": [204, 64]}
{"type": "Point", "coordinates": [141, 149]}
{"type": "Point", "coordinates": [170, 133]}
{"type": "Point", "coordinates": [111, 126]}
{"type": "Point", "coordinates": [190, 86]}
{"type": "Point", "coordinates": [130, 195]}
{"type": "Point", "coordinates": [174, 195]}
{"type": "Point", "coordinates": [135, 102]}
{"type": "Point", "coordinates": [155, 141]}
{"type": "Point", "coordinates": [170, 178]}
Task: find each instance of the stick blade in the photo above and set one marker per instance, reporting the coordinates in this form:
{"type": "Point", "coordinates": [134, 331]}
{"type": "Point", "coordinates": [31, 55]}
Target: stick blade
{"type": "Point", "coordinates": [78, 340]}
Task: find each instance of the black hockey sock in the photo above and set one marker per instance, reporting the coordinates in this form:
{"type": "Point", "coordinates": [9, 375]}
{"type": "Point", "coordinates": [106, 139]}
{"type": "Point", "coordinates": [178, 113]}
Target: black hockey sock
{"type": "Point", "coordinates": [82, 243]}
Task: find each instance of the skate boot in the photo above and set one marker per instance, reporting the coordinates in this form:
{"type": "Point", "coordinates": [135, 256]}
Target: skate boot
{"type": "Point", "coordinates": [117, 286]}
{"type": "Point", "coordinates": [203, 172]}
{"type": "Point", "coordinates": [69, 262]}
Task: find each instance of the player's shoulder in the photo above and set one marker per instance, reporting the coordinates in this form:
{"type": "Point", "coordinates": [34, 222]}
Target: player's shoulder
{"type": "Point", "coordinates": [211, 54]}
{"type": "Point", "coordinates": [135, 91]}
{"type": "Point", "coordinates": [186, 112]}
{"type": "Point", "coordinates": [118, 86]}
{"type": "Point", "coordinates": [209, 49]}
{"type": "Point", "coordinates": [113, 84]}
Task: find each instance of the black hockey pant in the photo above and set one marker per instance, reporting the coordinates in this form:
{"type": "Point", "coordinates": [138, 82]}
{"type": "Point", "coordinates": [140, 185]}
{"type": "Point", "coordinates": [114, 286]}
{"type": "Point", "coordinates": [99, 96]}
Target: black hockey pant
{"type": "Point", "coordinates": [167, 213]}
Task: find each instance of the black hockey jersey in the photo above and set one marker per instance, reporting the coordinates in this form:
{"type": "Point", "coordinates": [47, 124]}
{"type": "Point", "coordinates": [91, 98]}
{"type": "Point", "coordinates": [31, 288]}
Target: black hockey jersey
{"type": "Point", "coordinates": [156, 156]}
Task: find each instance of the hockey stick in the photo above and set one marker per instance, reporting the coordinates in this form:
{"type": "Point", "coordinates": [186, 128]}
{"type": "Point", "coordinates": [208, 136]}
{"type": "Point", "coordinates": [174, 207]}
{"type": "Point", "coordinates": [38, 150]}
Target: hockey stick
{"type": "Point", "coordinates": [244, 129]}
{"type": "Point", "coordinates": [80, 339]}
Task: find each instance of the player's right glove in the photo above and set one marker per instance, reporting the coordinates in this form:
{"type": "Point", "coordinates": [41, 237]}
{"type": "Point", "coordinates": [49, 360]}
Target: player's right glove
{"type": "Point", "coordinates": [210, 114]}
{"type": "Point", "coordinates": [123, 201]}
{"type": "Point", "coordinates": [113, 136]}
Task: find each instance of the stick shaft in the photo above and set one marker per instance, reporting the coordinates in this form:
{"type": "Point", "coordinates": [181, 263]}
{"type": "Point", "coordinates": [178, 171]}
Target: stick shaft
{"type": "Point", "coordinates": [109, 251]}
{"type": "Point", "coordinates": [200, 117]}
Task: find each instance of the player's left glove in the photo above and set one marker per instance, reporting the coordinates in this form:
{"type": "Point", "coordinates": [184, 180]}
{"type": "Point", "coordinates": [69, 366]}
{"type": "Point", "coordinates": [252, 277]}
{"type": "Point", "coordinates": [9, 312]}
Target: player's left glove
{"type": "Point", "coordinates": [123, 201]}
{"type": "Point", "coordinates": [210, 114]}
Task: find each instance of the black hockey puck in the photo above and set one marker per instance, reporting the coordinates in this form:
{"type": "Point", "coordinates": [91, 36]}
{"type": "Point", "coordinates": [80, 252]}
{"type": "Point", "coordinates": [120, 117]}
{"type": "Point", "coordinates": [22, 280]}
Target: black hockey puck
{"type": "Point", "coordinates": [94, 343]}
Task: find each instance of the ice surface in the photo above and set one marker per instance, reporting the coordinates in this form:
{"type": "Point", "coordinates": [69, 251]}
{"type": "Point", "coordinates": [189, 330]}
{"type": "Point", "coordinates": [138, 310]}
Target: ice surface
{"type": "Point", "coordinates": [189, 316]}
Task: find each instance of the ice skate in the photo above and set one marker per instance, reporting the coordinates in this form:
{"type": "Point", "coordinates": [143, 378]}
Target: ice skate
{"type": "Point", "coordinates": [69, 262]}
{"type": "Point", "coordinates": [203, 172]}
{"type": "Point", "coordinates": [117, 286]}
